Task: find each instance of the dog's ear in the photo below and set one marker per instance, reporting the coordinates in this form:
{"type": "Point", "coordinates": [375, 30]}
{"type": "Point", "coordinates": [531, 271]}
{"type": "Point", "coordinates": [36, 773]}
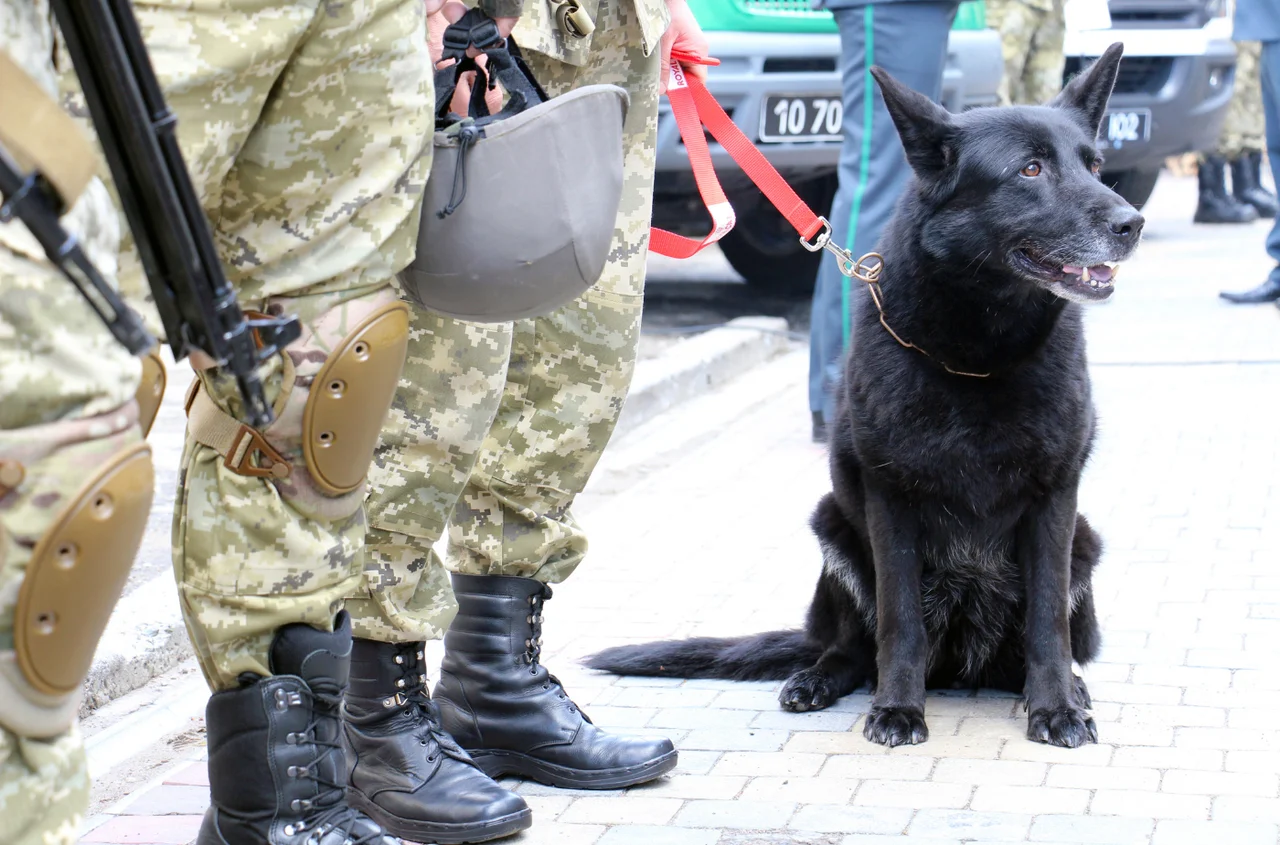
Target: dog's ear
{"type": "Point", "coordinates": [924, 126]}
{"type": "Point", "coordinates": [1087, 95]}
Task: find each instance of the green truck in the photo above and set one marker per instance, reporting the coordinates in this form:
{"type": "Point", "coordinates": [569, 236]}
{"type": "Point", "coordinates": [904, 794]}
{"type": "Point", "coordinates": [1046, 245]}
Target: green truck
{"type": "Point", "coordinates": [779, 80]}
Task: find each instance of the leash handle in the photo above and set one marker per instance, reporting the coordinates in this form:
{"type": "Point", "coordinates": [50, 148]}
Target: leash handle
{"type": "Point", "coordinates": [693, 107]}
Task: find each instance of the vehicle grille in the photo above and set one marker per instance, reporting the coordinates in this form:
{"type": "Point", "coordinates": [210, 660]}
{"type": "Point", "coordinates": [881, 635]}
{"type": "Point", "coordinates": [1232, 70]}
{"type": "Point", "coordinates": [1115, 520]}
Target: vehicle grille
{"type": "Point", "coordinates": [803, 8]}
{"type": "Point", "coordinates": [1154, 16]}
{"type": "Point", "coordinates": [1168, 14]}
{"type": "Point", "coordinates": [1138, 74]}
{"type": "Point", "coordinates": [822, 64]}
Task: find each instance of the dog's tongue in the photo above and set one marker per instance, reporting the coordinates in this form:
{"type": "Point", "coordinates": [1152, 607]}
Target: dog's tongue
{"type": "Point", "coordinates": [1101, 272]}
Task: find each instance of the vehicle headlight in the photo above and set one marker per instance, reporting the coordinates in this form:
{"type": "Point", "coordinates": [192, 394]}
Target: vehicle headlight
{"type": "Point", "coordinates": [1219, 8]}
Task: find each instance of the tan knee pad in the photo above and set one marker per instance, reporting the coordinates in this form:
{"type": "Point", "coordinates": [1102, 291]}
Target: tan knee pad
{"type": "Point", "coordinates": [350, 398]}
{"type": "Point", "coordinates": [72, 581]}
{"type": "Point", "coordinates": [151, 389]}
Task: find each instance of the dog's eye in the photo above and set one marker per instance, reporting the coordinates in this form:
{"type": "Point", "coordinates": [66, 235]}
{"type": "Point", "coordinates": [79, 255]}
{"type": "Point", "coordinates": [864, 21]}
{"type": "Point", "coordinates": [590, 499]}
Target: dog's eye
{"type": "Point", "coordinates": [1095, 167]}
{"type": "Point", "coordinates": [1032, 170]}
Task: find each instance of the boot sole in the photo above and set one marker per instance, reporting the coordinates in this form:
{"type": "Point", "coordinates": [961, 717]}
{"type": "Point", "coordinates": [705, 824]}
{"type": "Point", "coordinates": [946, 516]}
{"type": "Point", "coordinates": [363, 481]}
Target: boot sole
{"type": "Point", "coordinates": [441, 833]}
{"type": "Point", "coordinates": [498, 763]}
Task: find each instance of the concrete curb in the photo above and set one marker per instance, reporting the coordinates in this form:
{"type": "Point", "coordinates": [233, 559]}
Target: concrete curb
{"type": "Point", "coordinates": [146, 636]}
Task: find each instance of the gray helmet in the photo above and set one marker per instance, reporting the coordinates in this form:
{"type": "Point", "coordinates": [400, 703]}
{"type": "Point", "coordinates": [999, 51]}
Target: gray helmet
{"type": "Point", "coordinates": [520, 209]}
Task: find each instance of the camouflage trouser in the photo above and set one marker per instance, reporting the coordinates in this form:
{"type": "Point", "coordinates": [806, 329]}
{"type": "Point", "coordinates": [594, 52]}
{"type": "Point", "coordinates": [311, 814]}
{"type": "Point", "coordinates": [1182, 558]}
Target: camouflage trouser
{"type": "Point", "coordinates": [66, 407]}
{"type": "Point", "coordinates": [1031, 38]}
{"type": "Point", "coordinates": [1244, 129]}
{"type": "Point", "coordinates": [303, 124]}
{"type": "Point", "coordinates": [496, 428]}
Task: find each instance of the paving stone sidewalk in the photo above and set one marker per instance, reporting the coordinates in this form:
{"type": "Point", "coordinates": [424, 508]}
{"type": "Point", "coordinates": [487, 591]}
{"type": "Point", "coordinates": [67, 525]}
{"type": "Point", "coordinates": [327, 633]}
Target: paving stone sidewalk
{"type": "Point", "coordinates": [698, 525]}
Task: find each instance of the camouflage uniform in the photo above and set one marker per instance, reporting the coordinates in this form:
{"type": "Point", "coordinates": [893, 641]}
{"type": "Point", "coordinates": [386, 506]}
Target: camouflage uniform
{"type": "Point", "coordinates": [66, 407]}
{"type": "Point", "coordinates": [1244, 129]}
{"type": "Point", "coordinates": [496, 428]}
{"type": "Point", "coordinates": [1031, 34]}
{"type": "Point", "coordinates": [305, 127]}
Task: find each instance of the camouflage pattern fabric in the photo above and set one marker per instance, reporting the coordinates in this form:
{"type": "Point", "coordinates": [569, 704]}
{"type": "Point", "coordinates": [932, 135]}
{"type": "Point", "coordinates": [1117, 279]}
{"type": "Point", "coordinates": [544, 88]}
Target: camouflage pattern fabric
{"type": "Point", "coordinates": [1031, 36]}
{"type": "Point", "coordinates": [1244, 128]}
{"type": "Point", "coordinates": [44, 789]}
{"type": "Point", "coordinates": [496, 428]}
{"type": "Point", "coordinates": [304, 126]}
{"type": "Point", "coordinates": [66, 406]}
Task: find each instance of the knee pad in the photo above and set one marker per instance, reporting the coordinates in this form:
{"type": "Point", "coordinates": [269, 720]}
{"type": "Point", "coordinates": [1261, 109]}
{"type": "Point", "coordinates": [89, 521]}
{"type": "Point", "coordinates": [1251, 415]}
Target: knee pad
{"type": "Point", "coordinates": [350, 398]}
{"type": "Point", "coordinates": [329, 418]}
{"type": "Point", "coordinates": [73, 579]}
{"type": "Point", "coordinates": [151, 389]}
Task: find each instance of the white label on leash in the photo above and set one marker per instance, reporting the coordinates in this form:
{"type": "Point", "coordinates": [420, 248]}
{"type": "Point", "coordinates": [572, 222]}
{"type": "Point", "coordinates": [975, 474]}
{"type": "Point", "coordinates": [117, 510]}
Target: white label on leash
{"type": "Point", "coordinates": [723, 215]}
{"type": "Point", "coordinates": [677, 76]}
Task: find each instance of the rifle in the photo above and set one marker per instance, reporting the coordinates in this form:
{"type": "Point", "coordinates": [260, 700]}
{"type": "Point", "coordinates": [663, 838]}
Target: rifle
{"type": "Point", "coordinates": [136, 129]}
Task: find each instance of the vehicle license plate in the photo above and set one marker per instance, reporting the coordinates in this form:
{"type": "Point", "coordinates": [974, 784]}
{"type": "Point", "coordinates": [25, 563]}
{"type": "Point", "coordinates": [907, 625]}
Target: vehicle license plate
{"type": "Point", "coordinates": [1121, 128]}
{"type": "Point", "coordinates": [801, 119]}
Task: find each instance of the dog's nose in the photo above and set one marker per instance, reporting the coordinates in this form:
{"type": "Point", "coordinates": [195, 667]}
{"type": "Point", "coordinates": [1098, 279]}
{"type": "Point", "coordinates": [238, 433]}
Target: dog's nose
{"type": "Point", "coordinates": [1126, 223]}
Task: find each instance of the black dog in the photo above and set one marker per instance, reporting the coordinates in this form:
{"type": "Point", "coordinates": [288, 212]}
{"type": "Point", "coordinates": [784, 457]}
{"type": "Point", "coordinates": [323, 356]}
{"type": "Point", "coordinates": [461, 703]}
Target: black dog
{"type": "Point", "coordinates": [953, 554]}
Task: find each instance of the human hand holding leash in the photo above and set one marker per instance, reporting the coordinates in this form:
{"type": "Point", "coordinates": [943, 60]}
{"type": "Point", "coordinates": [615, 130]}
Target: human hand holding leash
{"type": "Point", "coordinates": [684, 35]}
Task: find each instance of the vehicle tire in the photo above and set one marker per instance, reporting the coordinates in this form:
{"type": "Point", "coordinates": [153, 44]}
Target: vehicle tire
{"type": "Point", "coordinates": [766, 251]}
{"type": "Point", "coordinates": [1134, 185]}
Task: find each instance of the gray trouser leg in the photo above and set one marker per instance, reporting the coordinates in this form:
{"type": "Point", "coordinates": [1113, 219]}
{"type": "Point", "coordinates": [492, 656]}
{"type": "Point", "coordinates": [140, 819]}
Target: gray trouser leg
{"type": "Point", "coordinates": [909, 40]}
{"type": "Point", "coordinates": [1271, 108]}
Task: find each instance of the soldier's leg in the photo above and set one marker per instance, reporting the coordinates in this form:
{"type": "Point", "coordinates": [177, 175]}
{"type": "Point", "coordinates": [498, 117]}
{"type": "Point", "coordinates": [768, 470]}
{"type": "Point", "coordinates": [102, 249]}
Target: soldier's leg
{"type": "Point", "coordinates": [1042, 72]}
{"type": "Point", "coordinates": [304, 125]}
{"type": "Point", "coordinates": [512, 531]}
{"type": "Point", "coordinates": [449, 393]}
{"type": "Point", "coordinates": [1016, 22]}
{"type": "Point", "coordinates": [75, 490]}
{"type": "Point", "coordinates": [1215, 203]}
{"type": "Point", "coordinates": [1244, 132]}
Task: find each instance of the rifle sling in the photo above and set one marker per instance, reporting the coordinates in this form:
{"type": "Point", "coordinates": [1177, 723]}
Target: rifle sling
{"type": "Point", "coordinates": [39, 135]}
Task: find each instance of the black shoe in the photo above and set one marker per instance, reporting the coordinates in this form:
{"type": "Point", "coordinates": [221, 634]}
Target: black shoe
{"type": "Point", "coordinates": [406, 772]}
{"type": "Point", "coordinates": [513, 717]}
{"type": "Point", "coordinates": [1268, 291]}
{"type": "Point", "coordinates": [276, 768]}
{"type": "Point", "coordinates": [819, 428]}
{"type": "Point", "coordinates": [1216, 205]}
{"type": "Point", "coordinates": [1246, 184]}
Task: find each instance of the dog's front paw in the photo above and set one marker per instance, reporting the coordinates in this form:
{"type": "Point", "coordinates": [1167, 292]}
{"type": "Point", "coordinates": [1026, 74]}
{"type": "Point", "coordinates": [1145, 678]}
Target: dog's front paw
{"type": "Point", "coordinates": [1069, 727]}
{"type": "Point", "coordinates": [896, 726]}
{"type": "Point", "coordinates": [808, 689]}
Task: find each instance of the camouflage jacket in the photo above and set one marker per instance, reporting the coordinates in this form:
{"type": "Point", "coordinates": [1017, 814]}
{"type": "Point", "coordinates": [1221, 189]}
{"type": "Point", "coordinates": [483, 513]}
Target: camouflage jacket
{"type": "Point", "coordinates": [538, 30]}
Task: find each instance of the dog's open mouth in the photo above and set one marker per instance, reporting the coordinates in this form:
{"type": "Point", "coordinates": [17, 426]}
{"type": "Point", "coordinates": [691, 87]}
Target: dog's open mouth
{"type": "Point", "coordinates": [1095, 282]}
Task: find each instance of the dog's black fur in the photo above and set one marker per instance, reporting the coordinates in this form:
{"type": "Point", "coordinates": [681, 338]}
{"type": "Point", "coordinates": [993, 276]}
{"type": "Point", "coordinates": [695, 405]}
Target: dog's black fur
{"type": "Point", "coordinates": [953, 553]}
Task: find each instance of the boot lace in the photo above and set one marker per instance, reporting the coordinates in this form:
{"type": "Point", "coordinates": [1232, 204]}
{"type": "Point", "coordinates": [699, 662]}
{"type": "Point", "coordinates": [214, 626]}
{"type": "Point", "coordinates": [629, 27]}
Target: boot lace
{"type": "Point", "coordinates": [533, 649]}
{"type": "Point", "coordinates": [328, 811]}
{"type": "Point", "coordinates": [412, 686]}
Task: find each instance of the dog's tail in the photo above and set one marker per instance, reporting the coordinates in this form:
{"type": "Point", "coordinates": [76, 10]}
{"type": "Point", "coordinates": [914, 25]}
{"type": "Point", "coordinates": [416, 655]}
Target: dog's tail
{"type": "Point", "coordinates": [773, 656]}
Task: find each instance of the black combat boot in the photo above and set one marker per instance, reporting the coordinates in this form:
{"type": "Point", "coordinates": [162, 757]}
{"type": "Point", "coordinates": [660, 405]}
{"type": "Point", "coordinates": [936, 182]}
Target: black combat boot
{"type": "Point", "coordinates": [1216, 205]}
{"type": "Point", "coordinates": [1246, 184]}
{"type": "Point", "coordinates": [513, 717]}
{"type": "Point", "coordinates": [407, 773]}
{"type": "Point", "coordinates": [277, 773]}
{"type": "Point", "coordinates": [1268, 291]}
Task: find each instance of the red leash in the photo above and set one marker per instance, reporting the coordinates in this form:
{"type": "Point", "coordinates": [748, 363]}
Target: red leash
{"type": "Point", "coordinates": [694, 107]}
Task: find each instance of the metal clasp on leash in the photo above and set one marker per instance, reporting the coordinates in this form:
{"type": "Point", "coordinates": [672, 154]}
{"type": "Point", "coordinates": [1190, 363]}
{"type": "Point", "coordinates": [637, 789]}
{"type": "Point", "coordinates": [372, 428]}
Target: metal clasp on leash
{"type": "Point", "coordinates": [854, 268]}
